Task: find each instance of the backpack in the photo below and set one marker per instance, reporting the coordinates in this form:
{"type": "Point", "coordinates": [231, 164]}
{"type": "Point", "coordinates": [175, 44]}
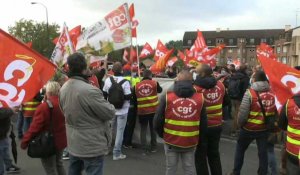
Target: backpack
{"type": "Point", "coordinates": [116, 93]}
{"type": "Point", "coordinates": [234, 88]}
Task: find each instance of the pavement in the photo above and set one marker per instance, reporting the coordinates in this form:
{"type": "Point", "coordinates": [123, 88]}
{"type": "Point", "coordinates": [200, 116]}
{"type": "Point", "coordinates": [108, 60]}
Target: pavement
{"type": "Point", "coordinates": [137, 163]}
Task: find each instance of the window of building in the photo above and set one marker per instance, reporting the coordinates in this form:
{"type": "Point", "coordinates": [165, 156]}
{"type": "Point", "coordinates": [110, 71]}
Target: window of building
{"type": "Point", "coordinates": [244, 50]}
{"type": "Point", "coordinates": [230, 41]}
{"type": "Point", "coordinates": [189, 42]}
{"type": "Point", "coordinates": [252, 59]}
{"type": "Point", "coordinates": [252, 50]}
{"type": "Point", "coordinates": [295, 61]}
{"type": "Point", "coordinates": [284, 49]}
{"type": "Point", "coordinates": [220, 40]}
{"type": "Point", "coordinates": [252, 41]}
{"type": "Point", "coordinates": [208, 42]}
{"type": "Point", "coordinates": [241, 40]}
{"type": "Point", "coordinates": [284, 60]}
{"type": "Point", "coordinates": [263, 40]}
{"type": "Point", "coordinates": [278, 49]}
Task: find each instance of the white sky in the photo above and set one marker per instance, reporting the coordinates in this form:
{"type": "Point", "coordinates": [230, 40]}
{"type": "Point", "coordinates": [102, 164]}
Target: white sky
{"type": "Point", "coordinates": [160, 19]}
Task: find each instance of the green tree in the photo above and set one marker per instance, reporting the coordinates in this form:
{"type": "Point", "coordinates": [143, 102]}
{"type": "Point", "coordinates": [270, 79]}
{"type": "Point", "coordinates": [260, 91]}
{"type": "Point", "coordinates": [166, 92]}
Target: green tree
{"type": "Point", "coordinates": [177, 45]}
{"type": "Point", "coordinates": [36, 32]}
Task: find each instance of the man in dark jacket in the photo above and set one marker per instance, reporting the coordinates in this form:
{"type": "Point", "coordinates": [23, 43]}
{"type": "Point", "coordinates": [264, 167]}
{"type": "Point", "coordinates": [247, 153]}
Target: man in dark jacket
{"type": "Point", "coordinates": [181, 108]}
{"type": "Point", "coordinates": [215, 98]}
{"type": "Point", "coordinates": [237, 86]}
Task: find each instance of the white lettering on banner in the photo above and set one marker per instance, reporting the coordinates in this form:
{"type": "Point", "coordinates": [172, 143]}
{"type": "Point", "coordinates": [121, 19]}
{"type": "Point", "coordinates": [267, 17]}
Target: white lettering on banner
{"type": "Point", "coordinates": [159, 53]}
{"type": "Point", "coordinates": [12, 91]}
{"type": "Point", "coordinates": [291, 79]}
{"type": "Point", "coordinates": [145, 52]}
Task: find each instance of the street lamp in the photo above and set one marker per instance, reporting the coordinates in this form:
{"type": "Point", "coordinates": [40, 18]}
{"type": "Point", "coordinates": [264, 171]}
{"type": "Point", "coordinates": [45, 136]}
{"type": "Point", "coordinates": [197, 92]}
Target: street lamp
{"type": "Point", "coordinates": [33, 3]}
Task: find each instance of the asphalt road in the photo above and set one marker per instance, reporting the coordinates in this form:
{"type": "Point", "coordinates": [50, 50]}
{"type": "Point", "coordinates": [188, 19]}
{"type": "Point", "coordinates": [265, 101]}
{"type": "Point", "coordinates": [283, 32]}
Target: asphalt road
{"type": "Point", "coordinates": [151, 164]}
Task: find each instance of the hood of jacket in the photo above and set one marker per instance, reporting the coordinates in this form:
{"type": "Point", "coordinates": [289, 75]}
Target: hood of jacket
{"type": "Point", "coordinates": [184, 89]}
{"type": "Point", "coordinates": [206, 82]}
{"type": "Point", "coordinates": [260, 86]}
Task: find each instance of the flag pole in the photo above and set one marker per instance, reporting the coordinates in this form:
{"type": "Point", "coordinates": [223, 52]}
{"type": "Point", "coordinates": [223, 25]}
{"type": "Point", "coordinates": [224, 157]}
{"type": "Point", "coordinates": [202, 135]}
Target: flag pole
{"type": "Point", "coordinates": [138, 57]}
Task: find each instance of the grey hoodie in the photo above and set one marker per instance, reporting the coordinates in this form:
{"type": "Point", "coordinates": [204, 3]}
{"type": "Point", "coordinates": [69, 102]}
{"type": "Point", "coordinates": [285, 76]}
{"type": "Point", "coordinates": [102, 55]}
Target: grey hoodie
{"type": "Point", "coordinates": [244, 111]}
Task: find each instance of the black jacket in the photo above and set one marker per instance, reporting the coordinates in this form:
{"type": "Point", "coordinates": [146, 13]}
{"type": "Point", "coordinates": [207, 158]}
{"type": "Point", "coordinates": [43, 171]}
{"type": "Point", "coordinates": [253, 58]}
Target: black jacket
{"type": "Point", "coordinates": [208, 83]}
{"type": "Point", "coordinates": [244, 82]}
{"type": "Point", "coordinates": [182, 89]}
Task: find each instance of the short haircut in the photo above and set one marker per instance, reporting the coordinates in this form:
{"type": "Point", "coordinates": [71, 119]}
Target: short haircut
{"type": "Point", "coordinates": [297, 67]}
{"type": "Point", "coordinates": [204, 69]}
{"type": "Point", "coordinates": [117, 67]}
{"type": "Point", "coordinates": [6, 113]}
{"type": "Point", "coordinates": [77, 63]}
{"type": "Point", "coordinates": [52, 88]}
{"type": "Point", "coordinates": [184, 75]}
{"type": "Point", "coordinates": [147, 73]}
{"type": "Point", "coordinates": [260, 76]}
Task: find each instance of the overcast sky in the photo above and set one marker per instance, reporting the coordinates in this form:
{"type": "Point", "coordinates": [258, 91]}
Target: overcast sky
{"type": "Point", "coordinates": [161, 19]}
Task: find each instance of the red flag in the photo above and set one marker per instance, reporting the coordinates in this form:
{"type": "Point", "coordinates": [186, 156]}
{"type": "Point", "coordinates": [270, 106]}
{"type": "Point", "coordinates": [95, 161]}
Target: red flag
{"type": "Point", "coordinates": [125, 55]}
{"type": "Point", "coordinates": [133, 55]}
{"type": "Point", "coordinates": [134, 22]}
{"type": "Point", "coordinates": [180, 55]}
{"type": "Point", "coordinates": [162, 61]}
{"type": "Point", "coordinates": [283, 79]}
{"type": "Point", "coordinates": [160, 51]}
{"type": "Point", "coordinates": [146, 51]}
{"type": "Point", "coordinates": [263, 47]}
{"type": "Point", "coordinates": [74, 34]}
{"type": "Point", "coordinates": [200, 41]}
{"type": "Point", "coordinates": [23, 71]}
{"type": "Point", "coordinates": [172, 61]}
{"type": "Point", "coordinates": [29, 44]}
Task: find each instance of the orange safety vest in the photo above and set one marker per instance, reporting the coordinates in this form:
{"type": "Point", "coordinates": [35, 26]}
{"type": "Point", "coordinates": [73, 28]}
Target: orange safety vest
{"type": "Point", "coordinates": [182, 120]}
{"type": "Point", "coordinates": [30, 107]}
{"type": "Point", "coordinates": [255, 120]}
{"type": "Point", "coordinates": [147, 99]}
{"type": "Point", "coordinates": [213, 103]}
{"type": "Point", "coordinates": [293, 129]}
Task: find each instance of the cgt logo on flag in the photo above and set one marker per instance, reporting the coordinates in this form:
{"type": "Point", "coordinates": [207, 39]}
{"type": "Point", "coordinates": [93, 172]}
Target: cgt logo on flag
{"type": "Point", "coordinates": [16, 74]}
{"type": "Point", "coordinates": [116, 18]}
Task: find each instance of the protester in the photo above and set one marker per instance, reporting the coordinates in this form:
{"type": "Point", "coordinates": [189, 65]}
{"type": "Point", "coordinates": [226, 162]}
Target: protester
{"type": "Point", "coordinates": [88, 117]}
{"type": "Point", "coordinates": [45, 119]}
{"type": "Point", "coordinates": [207, 152]}
{"type": "Point", "coordinates": [181, 121]}
{"type": "Point", "coordinates": [132, 112]}
{"type": "Point", "coordinates": [6, 164]}
{"type": "Point", "coordinates": [237, 86]}
{"type": "Point", "coordinates": [289, 121]}
{"type": "Point", "coordinates": [28, 109]}
{"type": "Point", "coordinates": [252, 123]}
{"type": "Point", "coordinates": [147, 101]}
{"type": "Point", "coordinates": [120, 119]}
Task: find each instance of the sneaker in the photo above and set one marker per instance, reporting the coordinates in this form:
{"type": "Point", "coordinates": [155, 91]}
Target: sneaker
{"type": "Point", "coordinates": [153, 150]}
{"type": "Point", "coordinates": [127, 146]}
{"type": "Point", "coordinates": [65, 156]}
{"type": "Point", "coordinates": [120, 157]}
{"type": "Point", "coordinates": [12, 169]}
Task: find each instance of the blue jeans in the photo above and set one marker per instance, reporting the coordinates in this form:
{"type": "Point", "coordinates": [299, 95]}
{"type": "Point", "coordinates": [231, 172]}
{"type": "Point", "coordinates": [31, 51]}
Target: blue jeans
{"type": "Point", "coordinates": [92, 165]}
{"type": "Point", "coordinates": [272, 160]}
{"type": "Point", "coordinates": [5, 160]}
{"type": "Point", "coordinates": [119, 123]}
{"type": "Point", "coordinates": [26, 124]}
{"type": "Point", "coordinates": [244, 140]}
{"type": "Point", "coordinates": [20, 122]}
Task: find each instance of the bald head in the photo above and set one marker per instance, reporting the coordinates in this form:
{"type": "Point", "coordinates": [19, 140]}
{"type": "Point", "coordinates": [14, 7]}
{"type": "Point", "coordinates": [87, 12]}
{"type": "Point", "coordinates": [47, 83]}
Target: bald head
{"type": "Point", "coordinates": [204, 70]}
{"type": "Point", "coordinates": [184, 75]}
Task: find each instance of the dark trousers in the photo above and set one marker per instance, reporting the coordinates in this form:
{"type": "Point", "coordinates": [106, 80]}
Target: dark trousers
{"type": "Point", "coordinates": [207, 153]}
{"type": "Point", "coordinates": [292, 167]}
{"type": "Point", "coordinates": [20, 122]}
{"type": "Point", "coordinates": [130, 125]}
{"type": "Point", "coordinates": [146, 120]}
{"type": "Point", "coordinates": [244, 140]}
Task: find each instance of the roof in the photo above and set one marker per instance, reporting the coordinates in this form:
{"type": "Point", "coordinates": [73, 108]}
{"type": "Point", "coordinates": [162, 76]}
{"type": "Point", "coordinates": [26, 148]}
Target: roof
{"type": "Point", "coordinates": [234, 34]}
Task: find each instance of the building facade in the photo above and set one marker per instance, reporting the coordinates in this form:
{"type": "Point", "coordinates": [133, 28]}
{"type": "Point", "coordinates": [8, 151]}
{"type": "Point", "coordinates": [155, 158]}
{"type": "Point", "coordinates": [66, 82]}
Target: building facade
{"type": "Point", "coordinates": [241, 44]}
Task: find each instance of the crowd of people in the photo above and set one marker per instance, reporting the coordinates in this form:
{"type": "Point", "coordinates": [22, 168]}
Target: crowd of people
{"type": "Point", "coordinates": [88, 114]}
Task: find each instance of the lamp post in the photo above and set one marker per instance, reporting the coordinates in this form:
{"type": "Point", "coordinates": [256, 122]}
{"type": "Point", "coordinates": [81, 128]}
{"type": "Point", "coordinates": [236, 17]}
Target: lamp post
{"type": "Point", "coordinates": [47, 25]}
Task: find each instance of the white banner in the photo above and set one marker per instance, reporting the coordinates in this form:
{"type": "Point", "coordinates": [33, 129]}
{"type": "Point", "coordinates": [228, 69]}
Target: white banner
{"type": "Point", "coordinates": [111, 33]}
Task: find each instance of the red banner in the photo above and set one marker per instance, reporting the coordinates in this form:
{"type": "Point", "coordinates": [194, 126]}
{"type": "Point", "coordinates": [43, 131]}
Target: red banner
{"type": "Point", "coordinates": [74, 34]}
{"type": "Point", "coordinates": [133, 55]}
{"type": "Point", "coordinates": [146, 51]}
{"type": "Point", "coordinates": [283, 79]}
{"type": "Point", "coordinates": [160, 51]}
{"type": "Point", "coordinates": [160, 65]}
{"type": "Point", "coordinates": [23, 71]}
{"type": "Point", "coordinates": [134, 22]}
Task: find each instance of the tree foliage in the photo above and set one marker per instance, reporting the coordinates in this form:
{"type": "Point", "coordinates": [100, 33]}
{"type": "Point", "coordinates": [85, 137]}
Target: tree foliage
{"type": "Point", "coordinates": [177, 45]}
{"type": "Point", "coordinates": [36, 32]}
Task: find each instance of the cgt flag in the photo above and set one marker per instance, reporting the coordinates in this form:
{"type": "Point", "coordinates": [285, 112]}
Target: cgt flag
{"type": "Point", "coordinates": [23, 71]}
{"type": "Point", "coordinates": [160, 65]}
{"type": "Point", "coordinates": [146, 51]}
{"type": "Point", "coordinates": [284, 80]}
{"type": "Point", "coordinates": [161, 50]}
